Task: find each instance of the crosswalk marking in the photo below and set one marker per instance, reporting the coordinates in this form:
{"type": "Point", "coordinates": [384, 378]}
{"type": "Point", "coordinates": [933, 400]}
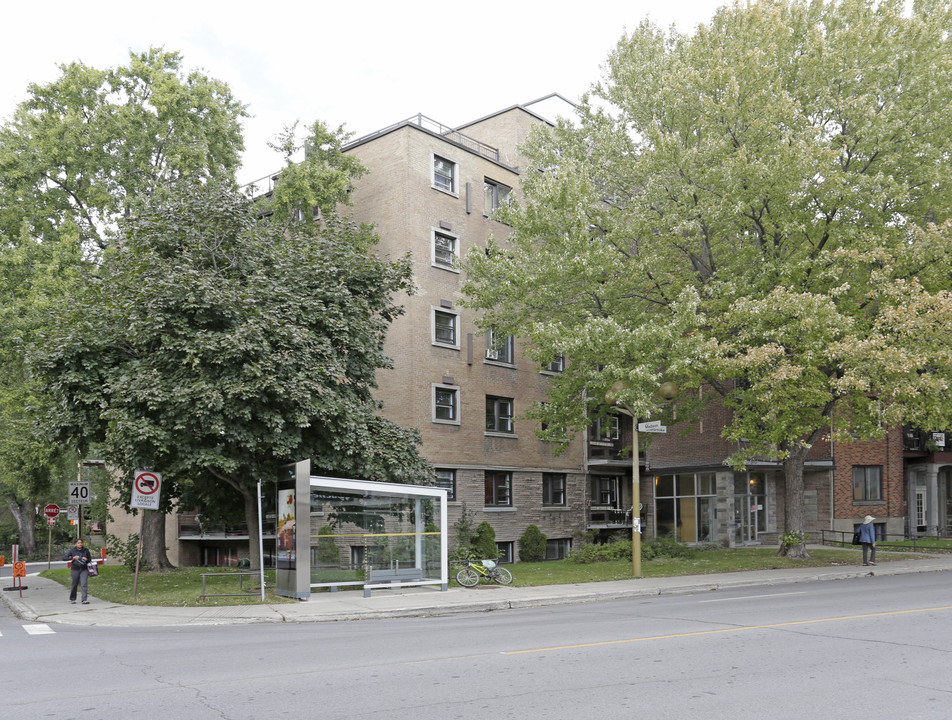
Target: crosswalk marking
{"type": "Point", "coordinates": [39, 629]}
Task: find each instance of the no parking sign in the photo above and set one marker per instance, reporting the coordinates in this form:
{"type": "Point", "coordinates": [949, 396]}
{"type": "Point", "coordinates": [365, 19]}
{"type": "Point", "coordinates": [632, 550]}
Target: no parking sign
{"type": "Point", "coordinates": [145, 490]}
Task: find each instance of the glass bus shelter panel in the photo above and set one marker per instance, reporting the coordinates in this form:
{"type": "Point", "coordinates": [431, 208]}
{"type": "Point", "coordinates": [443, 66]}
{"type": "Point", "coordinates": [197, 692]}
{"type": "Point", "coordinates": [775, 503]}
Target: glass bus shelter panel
{"type": "Point", "coordinates": [358, 538]}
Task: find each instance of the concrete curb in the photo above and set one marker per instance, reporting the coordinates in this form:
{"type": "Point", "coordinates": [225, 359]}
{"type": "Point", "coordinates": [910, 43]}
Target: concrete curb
{"type": "Point", "coordinates": [47, 602]}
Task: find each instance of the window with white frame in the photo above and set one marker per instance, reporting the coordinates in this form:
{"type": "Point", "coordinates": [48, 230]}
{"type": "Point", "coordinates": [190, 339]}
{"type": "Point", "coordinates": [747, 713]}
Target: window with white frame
{"type": "Point", "coordinates": [498, 486]}
{"type": "Point", "coordinates": [607, 428]}
{"type": "Point", "coordinates": [867, 482]}
{"type": "Point", "coordinates": [445, 404]}
{"type": "Point", "coordinates": [498, 414]}
{"type": "Point", "coordinates": [553, 489]}
{"type": "Point", "coordinates": [445, 250]}
{"type": "Point", "coordinates": [445, 327]}
{"type": "Point", "coordinates": [446, 478]}
{"type": "Point", "coordinates": [495, 195]}
{"type": "Point", "coordinates": [445, 175]}
{"type": "Point", "coordinates": [499, 348]}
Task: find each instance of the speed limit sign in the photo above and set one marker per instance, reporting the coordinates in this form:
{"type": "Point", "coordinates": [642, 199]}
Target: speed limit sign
{"type": "Point", "coordinates": [79, 493]}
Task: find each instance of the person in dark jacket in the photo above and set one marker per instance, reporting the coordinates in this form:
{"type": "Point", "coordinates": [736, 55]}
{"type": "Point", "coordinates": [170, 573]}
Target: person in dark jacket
{"type": "Point", "coordinates": [78, 558]}
{"type": "Point", "coordinates": [867, 538]}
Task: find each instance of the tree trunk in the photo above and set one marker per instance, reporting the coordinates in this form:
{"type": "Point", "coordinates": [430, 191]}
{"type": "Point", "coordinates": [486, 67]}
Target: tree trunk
{"type": "Point", "coordinates": [154, 556]}
{"type": "Point", "coordinates": [793, 505]}
{"type": "Point", "coordinates": [250, 496]}
{"type": "Point", "coordinates": [24, 513]}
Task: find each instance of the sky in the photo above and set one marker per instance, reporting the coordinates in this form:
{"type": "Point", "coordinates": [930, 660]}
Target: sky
{"type": "Point", "coordinates": [363, 64]}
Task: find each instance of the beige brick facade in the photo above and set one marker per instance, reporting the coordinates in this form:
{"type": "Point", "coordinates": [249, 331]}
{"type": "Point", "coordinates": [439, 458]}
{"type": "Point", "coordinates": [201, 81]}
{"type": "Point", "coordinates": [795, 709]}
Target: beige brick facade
{"type": "Point", "coordinates": [399, 197]}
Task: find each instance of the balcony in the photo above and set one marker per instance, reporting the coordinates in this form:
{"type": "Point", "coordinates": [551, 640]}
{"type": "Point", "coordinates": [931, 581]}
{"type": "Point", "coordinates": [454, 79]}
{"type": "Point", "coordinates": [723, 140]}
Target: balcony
{"type": "Point", "coordinates": [193, 527]}
{"type": "Point", "coordinates": [915, 440]}
{"type": "Point", "coordinates": [606, 517]}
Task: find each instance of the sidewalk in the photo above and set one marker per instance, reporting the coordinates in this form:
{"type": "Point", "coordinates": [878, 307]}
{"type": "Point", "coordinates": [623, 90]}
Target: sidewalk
{"type": "Point", "coordinates": [47, 601]}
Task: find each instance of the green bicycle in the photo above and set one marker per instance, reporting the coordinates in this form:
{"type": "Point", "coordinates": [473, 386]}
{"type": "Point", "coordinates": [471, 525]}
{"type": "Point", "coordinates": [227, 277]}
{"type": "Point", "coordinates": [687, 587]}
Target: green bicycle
{"type": "Point", "coordinates": [473, 570]}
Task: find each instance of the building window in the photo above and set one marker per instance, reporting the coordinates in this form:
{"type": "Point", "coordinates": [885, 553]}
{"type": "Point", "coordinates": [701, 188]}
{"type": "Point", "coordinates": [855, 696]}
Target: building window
{"type": "Point", "coordinates": [607, 428]}
{"type": "Point", "coordinates": [558, 549]}
{"type": "Point", "coordinates": [499, 347]}
{"type": "Point", "coordinates": [445, 251]}
{"type": "Point", "coordinates": [445, 404]}
{"type": "Point", "coordinates": [504, 550]}
{"type": "Point", "coordinates": [445, 328]}
{"type": "Point", "coordinates": [557, 365]}
{"type": "Point", "coordinates": [446, 478]}
{"type": "Point", "coordinates": [553, 489]}
{"type": "Point", "coordinates": [498, 414]}
{"type": "Point", "coordinates": [498, 489]}
{"type": "Point", "coordinates": [445, 175]}
{"type": "Point", "coordinates": [495, 195]}
{"type": "Point", "coordinates": [867, 482]}
{"type": "Point", "coordinates": [685, 506]}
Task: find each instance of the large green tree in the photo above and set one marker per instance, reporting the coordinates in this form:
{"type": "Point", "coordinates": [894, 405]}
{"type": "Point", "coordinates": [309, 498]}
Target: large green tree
{"type": "Point", "coordinates": [76, 156]}
{"type": "Point", "coordinates": [216, 347]}
{"type": "Point", "coordinates": [758, 211]}
{"type": "Point", "coordinates": [95, 144]}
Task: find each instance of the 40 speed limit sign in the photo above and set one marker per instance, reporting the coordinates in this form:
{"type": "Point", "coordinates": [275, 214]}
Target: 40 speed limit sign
{"type": "Point", "coordinates": [79, 493]}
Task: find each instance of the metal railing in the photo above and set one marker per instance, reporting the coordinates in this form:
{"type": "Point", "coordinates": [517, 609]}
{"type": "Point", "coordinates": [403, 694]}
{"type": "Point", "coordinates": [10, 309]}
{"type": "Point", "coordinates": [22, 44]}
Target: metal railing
{"type": "Point", "coordinates": [263, 186]}
{"type": "Point", "coordinates": [241, 574]}
{"type": "Point", "coordinates": [899, 543]}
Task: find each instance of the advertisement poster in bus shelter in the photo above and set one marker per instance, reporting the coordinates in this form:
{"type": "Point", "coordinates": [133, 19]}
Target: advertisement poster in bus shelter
{"type": "Point", "coordinates": [293, 571]}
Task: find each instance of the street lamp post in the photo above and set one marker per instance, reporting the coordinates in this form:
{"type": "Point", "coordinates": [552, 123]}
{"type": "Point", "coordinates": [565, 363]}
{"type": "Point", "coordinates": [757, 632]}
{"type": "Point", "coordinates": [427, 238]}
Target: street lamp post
{"type": "Point", "coordinates": [611, 397]}
{"type": "Point", "coordinates": [667, 391]}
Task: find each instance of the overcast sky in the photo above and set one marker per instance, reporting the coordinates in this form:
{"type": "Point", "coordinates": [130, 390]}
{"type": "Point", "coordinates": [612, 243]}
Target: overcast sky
{"type": "Point", "coordinates": [365, 63]}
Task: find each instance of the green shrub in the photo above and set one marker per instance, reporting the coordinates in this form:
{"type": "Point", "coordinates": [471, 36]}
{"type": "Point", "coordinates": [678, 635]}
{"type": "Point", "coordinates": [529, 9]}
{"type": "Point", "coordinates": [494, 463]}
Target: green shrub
{"type": "Point", "coordinates": [463, 535]}
{"type": "Point", "coordinates": [665, 547]}
{"type": "Point", "coordinates": [591, 553]}
{"type": "Point", "coordinates": [484, 542]}
{"type": "Point", "coordinates": [124, 551]}
{"type": "Point", "coordinates": [532, 545]}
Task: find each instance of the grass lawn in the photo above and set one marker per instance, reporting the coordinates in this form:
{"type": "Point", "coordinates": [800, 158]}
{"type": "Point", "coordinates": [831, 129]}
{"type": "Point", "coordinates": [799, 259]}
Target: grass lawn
{"type": "Point", "coordinates": [179, 587]}
{"type": "Point", "coordinates": [183, 586]}
{"type": "Point", "coordinates": [701, 562]}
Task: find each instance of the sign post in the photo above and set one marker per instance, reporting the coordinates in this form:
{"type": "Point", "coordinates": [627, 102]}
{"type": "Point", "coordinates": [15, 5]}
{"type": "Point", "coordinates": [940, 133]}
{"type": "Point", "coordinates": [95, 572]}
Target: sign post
{"type": "Point", "coordinates": [145, 496]}
{"type": "Point", "coordinates": [51, 511]}
{"type": "Point", "coordinates": [19, 571]}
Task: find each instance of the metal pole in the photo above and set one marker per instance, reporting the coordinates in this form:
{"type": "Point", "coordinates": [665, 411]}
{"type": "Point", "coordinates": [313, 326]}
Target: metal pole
{"type": "Point", "coordinates": [260, 542]}
{"type": "Point", "coordinates": [635, 501]}
{"type": "Point", "coordinates": [135, 579]}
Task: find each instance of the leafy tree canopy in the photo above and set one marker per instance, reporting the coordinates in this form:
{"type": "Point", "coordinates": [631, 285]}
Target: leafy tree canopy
{"type": "Point", "coordinates": [761, 208]}
{"type": "Point", "coordinates": [216, 347]}
{"type": "Point", "coordinates": [92, 145]}
{"type": "Point", "coordinates": [77, 155]}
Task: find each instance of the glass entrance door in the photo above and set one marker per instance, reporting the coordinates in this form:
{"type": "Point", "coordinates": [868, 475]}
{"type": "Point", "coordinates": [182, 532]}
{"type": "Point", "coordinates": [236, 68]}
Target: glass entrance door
{"type": "Point", "coordinates": [750, 507]}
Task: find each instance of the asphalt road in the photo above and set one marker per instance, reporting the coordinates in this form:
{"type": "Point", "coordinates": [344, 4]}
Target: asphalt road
{"type": "Point", "coordinates": [849, 649]}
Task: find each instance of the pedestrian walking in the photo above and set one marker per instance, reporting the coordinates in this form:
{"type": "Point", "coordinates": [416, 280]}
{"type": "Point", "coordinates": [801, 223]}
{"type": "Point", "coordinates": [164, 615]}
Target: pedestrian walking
{"type": "Point", "coordinates": [867, 538]}
{"type": "Point", "coordinates": [78, 558]}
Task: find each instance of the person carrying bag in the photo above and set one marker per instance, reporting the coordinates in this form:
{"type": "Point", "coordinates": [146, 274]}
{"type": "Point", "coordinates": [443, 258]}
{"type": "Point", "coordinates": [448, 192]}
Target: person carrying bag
{"type": "Point", "coordinates": [79, 561]}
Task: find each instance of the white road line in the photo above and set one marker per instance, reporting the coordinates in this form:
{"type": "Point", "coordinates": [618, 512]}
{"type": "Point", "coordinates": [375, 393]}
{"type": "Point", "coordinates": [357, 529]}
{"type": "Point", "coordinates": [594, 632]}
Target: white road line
{"type": "Point", "coordinates": [753, 597]}
{"type": "Point", "coordinates": [39, 629]}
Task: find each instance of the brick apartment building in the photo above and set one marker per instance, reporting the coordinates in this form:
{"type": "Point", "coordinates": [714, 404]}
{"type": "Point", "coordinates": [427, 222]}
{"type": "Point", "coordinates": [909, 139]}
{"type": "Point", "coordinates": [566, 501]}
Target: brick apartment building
{"type": "Point", "coordinates": [431, 191]}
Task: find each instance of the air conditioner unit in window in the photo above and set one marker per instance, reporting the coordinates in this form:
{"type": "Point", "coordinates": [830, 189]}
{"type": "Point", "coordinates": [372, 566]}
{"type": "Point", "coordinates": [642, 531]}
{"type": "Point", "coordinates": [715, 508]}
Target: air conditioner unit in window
{"type": "Point", "coordinates": [492, 354]}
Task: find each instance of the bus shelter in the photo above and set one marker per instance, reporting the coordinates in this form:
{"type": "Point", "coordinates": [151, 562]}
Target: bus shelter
{"type": "Point", "coordinates": [336, 532]}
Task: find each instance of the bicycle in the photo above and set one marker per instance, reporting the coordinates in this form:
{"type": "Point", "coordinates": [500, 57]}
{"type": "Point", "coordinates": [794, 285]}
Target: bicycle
{"type": "Point", "coordinates": [473, 570]}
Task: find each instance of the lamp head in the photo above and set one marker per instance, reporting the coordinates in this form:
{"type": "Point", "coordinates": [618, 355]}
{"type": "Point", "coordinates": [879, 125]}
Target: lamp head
{"type": "Point", "coordinates": [668, 390]}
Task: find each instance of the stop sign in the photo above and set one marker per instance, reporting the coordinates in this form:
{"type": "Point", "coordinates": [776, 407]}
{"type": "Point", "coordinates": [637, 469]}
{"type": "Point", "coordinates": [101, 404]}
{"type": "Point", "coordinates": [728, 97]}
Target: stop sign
{"type": "Point", "coordinates": [51, 511]}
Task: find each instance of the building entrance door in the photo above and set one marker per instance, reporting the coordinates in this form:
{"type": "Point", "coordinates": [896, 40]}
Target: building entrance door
{"type": "Point", "coordinates": [750, 507]}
